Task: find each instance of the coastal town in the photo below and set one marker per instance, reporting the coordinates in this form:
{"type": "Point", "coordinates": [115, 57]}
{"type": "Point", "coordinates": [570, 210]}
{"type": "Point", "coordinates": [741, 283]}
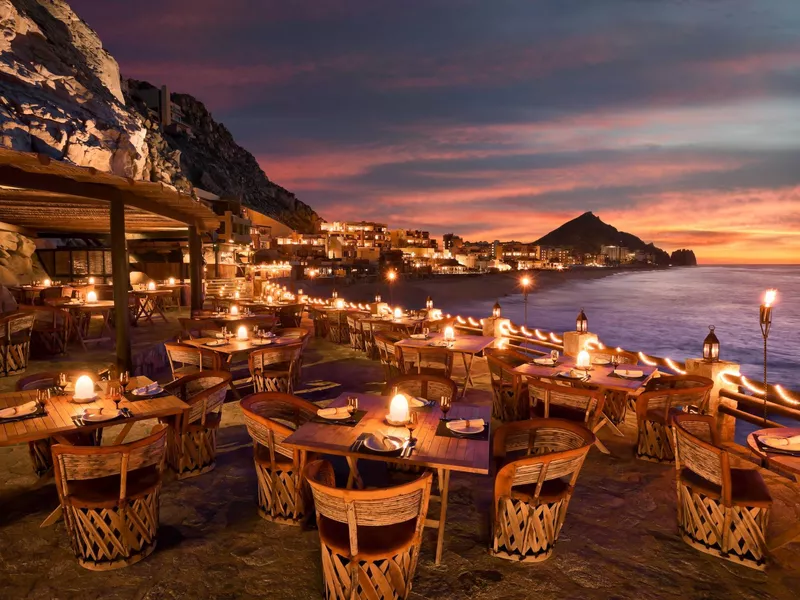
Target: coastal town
{"type": "Point", "coordinates": [478, 360]}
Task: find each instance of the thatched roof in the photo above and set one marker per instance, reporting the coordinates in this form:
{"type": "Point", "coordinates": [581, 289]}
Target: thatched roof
{"type": "Point", "coordinates": [40, 194]}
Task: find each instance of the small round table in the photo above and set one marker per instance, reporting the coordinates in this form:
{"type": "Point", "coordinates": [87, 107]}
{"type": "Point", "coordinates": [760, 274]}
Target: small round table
{"type": "Point", "coordinates": [789, 465]}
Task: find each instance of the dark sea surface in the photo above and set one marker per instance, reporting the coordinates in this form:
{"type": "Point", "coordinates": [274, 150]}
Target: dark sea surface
{"type": "Point", "coordinates": [667, 313]}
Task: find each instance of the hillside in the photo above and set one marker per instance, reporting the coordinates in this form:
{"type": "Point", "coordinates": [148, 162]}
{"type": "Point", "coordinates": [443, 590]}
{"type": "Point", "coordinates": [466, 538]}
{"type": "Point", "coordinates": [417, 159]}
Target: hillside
{"type": "Point", "coordinates": [586, 233]}
{"type": "Point", "coordinates": [62, 96]}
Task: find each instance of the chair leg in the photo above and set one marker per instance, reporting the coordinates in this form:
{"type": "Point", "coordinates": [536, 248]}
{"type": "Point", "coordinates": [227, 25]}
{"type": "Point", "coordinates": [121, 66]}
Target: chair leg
{"type": "Point", "coordinates": [524, 532]}
{"type": "Point", "coordinates": [653, 444]}
{"type": "Point", "coordinates": [279, 499]}
{"type": "Point", "coordinates": [192, 452]}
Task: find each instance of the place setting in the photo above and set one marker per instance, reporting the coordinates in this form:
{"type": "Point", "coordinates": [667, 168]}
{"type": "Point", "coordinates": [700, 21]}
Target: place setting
{"type": "Point", "coordinates": [347, 416]}
{"type": "Point", "coordinates": [28, 410]}
{"type": "Point", "coordinates": [775, 444]}
{"type": "Point", "coordinates": [459, 427]}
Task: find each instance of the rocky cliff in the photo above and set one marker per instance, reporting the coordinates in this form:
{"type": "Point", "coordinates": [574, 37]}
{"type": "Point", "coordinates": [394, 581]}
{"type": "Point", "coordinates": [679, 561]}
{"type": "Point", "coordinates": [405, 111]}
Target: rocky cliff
{"type": "Point", "coordinates": [61, 95]}
{"type": "Point", "coordinates": [203, 153]}
{"type": "Point", "coordinates": [683, 257]}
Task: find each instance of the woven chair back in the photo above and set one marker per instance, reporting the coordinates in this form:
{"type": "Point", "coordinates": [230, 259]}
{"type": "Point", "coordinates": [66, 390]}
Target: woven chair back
{"type": "Point", "coordinates": [422, 385]}
{"type": "Point", "coordinates": [588, 401]}
{"type": "Point", "coordinates": [425, 358]}
{"type": "Point", "coordinates": [679, 390]}
{"type": "Point", "coordinates": [204, 392]}
{"type": "Point", "coordinates": [699, 456]}
{"type": "Point", "coordinates": [271, 417]}
{"type": "Point", "coordinates": [48, 379]}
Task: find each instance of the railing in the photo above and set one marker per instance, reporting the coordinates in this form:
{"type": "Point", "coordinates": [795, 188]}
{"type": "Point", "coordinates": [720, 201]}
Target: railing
{"type": "Point", "coordinates": [538, 342]}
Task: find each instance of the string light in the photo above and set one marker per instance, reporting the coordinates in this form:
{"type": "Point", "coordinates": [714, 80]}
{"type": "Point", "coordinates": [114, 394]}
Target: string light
{"type": "Point", "coordinates": [752, 387]}
{"type": "Point", "coordinates": [784, 396]}
{"type": "Point", "coordinates": [540, 335]}
{"type": "Point", "coordinates": [472, 322]}
{"type": "Point", "coordinates": [555, 338]}
{"type": "Point", "coordinates": [673, 365]}
{"type": "Point", "coordinates": [525, 332]}
{"type": "Point", "coordinates": [460, 320]}
{"type": "Point", "coordinates": [646, 360]}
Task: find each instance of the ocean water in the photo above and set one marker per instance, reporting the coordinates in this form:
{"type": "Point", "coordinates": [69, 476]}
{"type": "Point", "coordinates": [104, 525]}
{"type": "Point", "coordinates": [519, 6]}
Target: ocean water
{"type": "Point", "coordinates": [667, 314]}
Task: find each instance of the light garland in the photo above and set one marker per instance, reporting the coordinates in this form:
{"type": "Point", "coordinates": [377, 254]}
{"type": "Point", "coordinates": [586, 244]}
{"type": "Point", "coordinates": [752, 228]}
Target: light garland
{"type": "Point", "coordinates": [540, 335]}
{"type": "Point", "coordinates": [672, 365]}
{"type": "Point", "coordinates": [646, 360]}
{"type": "Point", "coordinates": [555, 338]}
{"type": "Point", "coordinates": [784, 396]}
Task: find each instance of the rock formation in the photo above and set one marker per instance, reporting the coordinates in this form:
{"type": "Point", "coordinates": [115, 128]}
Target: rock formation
{"type": "Point", "coordinates": [684, 258]}
{"type": "Point", "coordinates": [18, 263]}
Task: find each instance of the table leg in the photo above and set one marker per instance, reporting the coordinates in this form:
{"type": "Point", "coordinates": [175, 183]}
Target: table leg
{"type": "Point", "coordinates": [468, 368]}
{"type": "Point", "coordinates": [159, 306]}
{"type": "Point", "coordinates": [444, 487]}
{"type": "Point", "coordinates": [52, 518]}
{"type": "Point", "coordinates": [354, 477]}
{"type": "Point", "coordinates": [126, 429]}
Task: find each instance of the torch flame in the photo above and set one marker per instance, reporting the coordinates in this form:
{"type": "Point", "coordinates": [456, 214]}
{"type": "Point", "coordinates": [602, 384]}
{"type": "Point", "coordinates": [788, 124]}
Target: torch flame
{"type": "Point", "coordinates": [769, 296]}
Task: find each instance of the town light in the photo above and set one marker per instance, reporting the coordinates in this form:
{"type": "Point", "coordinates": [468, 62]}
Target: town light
{"type": "Point", "coordinates": [581, 323]}
{"type": "Point", "coordinates": [711, 346]}
{"type": "Point", "coordinates": [496, 310]}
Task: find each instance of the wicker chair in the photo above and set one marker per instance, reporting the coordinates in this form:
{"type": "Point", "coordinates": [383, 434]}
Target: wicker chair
{"type": "Point", "coordinates": [15, 342]}
{"type": "Point", "coordinates": [52, 328]}
{"type": "Point", "coordinates": [39, 450]}
{"type": "Point", "coordinates": [199, 328]}
{"type": "Point", "coordinates": [192, 447]}
{"type": "Point", "coordinates": [370, 330]}
{"type": "Point", "coordinates": [273, 369]}
{"type": "Point", "coordinates": [338, 332]}
{"type": "Point", "coordinates": [431, 360]}
{"type": "Point", "coordinates": [538, 464]}
{"type": "Point", "coordinates": [270, 418]}
{"type": "Point", "coordinates": [655, 409]}
{"type": "Point", "coordinates": [110, 499]}
{"type": "Point", "coordinates": [429, 387]}
{"type": "Point", "coordinates": [580, 405]}
{"type": "Point", "coordinates": [370, 539]}
{"type": "Point", "coordinates": [509, 392]}
{"type": "Point", "coordinates": [184, 359]}
{"type": "Point", "coordinates": [722, 511]}
{"type": "Point", "coordinates": [304, 337]}
{"type": "Point", "coordinates": [356, 334]}
{"type": "Point", "coordinates": [387, 353]}
{"type": "Point", "coordinates": [320, 320]}
{"type": "Point", "coordinates": [291, 316]}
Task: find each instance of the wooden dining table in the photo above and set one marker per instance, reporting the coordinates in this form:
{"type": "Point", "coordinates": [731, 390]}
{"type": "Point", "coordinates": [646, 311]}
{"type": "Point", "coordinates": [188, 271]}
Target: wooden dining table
{"type": "Point", "coordinates": [468, 346]}
{"type": "Point", "coordinates": [83, 312]}
{"type": "Point", "coordinates": [235, 347]}
{"type": "Point", "coordinates": [601, 376]}
{"type": "Point", "coordinates": [785, 465]}
{"type": "Point", "coordinates": [61, 413]}
{"type": "Point", "coordinates": [444, 453]}
{"type": "Point", "coordinates": [150, 304]}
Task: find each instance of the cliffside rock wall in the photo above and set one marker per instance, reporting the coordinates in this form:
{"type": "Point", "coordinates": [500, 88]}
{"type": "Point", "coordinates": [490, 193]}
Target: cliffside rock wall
{"type": "Point", "coordinates": [18, 263]}
{"type": "Point", "coordinates": [61, 92]}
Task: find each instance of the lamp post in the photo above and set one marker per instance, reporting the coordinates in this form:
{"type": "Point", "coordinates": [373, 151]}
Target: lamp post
{"type": "Point", "coordinates": [391, 276]}
{"type": "Point", "coordinates": [525, 282]}
{"type": "Point", "coordinates": [765, 320]}
{"type": "Point", "coordinates": [711, 346]}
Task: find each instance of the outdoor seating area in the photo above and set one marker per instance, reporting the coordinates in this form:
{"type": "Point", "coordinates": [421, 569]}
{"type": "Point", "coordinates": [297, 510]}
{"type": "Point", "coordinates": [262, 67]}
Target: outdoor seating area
{"type": "Point", "coordinates": [502, 446]}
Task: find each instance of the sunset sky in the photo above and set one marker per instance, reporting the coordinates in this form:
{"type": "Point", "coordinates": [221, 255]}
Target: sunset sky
{"type": "Point", "coordinates": [678, 121]}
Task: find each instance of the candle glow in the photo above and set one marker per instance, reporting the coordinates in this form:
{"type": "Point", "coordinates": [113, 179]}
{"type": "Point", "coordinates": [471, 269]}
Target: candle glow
{"type": "Point", "coordinates": [340, 303]}
{"type": "Point", "coordinates": [398, 409]}
{"type": "Point", "coordinates": [84, 388]}
{"type": "Point", "coordinates": [236, 294]}
{"type": "Point", "coordinates": [241, 333]}
{"type": "Point", "coordinates": [449, 333]}
{"type": "Point", "coordinates": [91, 296]}
{"type": "Point", "coordinates": [770, 296]}
{"type": "Point", "coordinates": [172, 281]}
{"type": "Point", "coordinates": [151, 285]}
{"type": "Point", "coordinates": [583, 361]}
{"type": "Point", "coordinates": [47, 283]}
{"type": "Point", "coordinates": [398, 313]}
{"type": "Point", "coordinates": [91, 280]}
{"type": "Point", "coordinates": [234, 310]}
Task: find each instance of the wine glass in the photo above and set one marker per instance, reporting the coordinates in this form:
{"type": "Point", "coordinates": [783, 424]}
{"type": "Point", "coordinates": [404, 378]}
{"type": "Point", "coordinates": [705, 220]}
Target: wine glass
{"type": "Point", "coordinates": [124, 380]}
{"type": "Point", "coordinates": [554, 356]}
{"type": "Point", "coordinates": [352, 406]}
{"type": "Point", "coordinates": [445, 403]}
{"type": "Point", "coordinates": [411, 425]}
{"type": "Point", "coordinates": [115, 394]}
{"type": "Point", "coordinates": [426, 331]}
{"type": "Point", "coordinates": [61, 382]}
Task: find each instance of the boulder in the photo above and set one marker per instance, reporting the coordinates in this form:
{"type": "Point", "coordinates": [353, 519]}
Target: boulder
{"type": "Point", "coordinates": [7, 278]}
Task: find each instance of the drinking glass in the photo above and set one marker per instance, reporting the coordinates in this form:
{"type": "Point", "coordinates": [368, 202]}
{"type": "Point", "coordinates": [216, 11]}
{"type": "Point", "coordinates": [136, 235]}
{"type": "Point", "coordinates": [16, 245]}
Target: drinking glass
{"type": "Point", "coordinates": [426, 331]}
{"type": "Point", "coordinates": [352, 405]}
{"type": "Point", "coordinates": [445, 402]}
{"type": "Point", "coordinates": [124, 380]}
{"type": "Point", "coordinates": [61, 382]}
{"type": "Point", "coordinates": [113, 388]}
{"type": "Point", "coordinates": [554, 355]}
{"type": "Point", "coordinates": [413, 423]}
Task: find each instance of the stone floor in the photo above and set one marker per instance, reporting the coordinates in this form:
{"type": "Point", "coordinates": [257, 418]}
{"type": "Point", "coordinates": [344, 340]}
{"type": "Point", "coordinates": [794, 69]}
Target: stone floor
{"type": "Point", "coordinates": [619, 540]}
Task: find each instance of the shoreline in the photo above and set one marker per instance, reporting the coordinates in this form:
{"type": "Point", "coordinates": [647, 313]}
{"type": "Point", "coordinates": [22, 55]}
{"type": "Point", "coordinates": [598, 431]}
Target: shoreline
{"type": "Point", "coordinates": [450, 291]}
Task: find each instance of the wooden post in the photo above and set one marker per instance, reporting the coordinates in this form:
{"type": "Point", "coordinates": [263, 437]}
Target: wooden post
{"type": "Point", "coordinates": [195, 269]}
{"type": "Point", "coordinates": [121, 277]}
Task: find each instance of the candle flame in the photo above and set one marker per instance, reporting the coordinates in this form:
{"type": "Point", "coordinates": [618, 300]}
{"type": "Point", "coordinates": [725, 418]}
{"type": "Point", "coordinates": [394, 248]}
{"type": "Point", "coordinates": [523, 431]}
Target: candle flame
{"type": "Point", "coordinates": [241, 333]}
{"type": "Point", "coordinates": [91, 296]}
{"type": "Point", "coordinates": [151, 285]}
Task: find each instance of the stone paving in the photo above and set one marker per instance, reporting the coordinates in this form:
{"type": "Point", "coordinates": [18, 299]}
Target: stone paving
{"type": "Point", "coordinates": [619, 540]}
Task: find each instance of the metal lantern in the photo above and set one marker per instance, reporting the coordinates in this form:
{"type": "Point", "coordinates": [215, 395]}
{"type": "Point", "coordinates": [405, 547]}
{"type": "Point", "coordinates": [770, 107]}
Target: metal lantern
{"type": "Point", "coordinates": [711, 346]}
{"type": "Point", "coordinates": [378, 299]}
{"type": "Point", "coordinates": [334, 294]}
{"type": "Point", "coordinates": [582, 323]}
{"type": "Point", "coordinates": [429, 303]}
{"type": "Point", "coordinates": [496, 310]}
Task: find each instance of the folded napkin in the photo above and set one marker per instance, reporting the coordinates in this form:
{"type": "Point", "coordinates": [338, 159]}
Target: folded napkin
{"type": "Point", "coordinates": [382, 441]}
{"type": "Point", "coordinates": [22, 409]}
{"type": "Point", "coordinates": [779, 442]}
{"type": "Point", "coordinates": [577, 373]}
{"type": "Point", "coordinates": [466, 423]}
{"type": "Point", "coordinates": [94, 412]}
{"type": "Point", "coordinates": [333, 412]}
{"type": "Point", "coordinates": [629, 372]}
{"type": "Point", "coordinates": [147, 389]}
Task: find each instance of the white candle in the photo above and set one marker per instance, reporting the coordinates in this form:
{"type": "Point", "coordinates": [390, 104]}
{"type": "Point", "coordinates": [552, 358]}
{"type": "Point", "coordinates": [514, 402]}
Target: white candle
{"type": "Point", "coordinates": [398, 409]}
{"type": "Point", "coordinates": [172, 281]}
{"type": "Point", "coordinates": [84, 388]}
{"type": "Point", "coordinates": [47, 283]}
{"type": "Point", "coordinates": [269, 299]}
{"type": "Point", "coordinates": [340, 303]}
{"type": "Point", "coordinates": [91, 280]}
{"type": "Point", "coordinates": [398, 313]}
{"type": "Point", "coordinates": [583, 361]}
{"type": "Point", "coordinates": [449, 333]}
{"type": "Point", "coordinates": [234, 310]}
{"type": "Point", "coordinates": [241, 333]}
{"type": "Point", "coordinates": [151, 285]}
{"type": "Point", "coordinates": [91, 296]}
{"type": "Point", "coordinates": [299, 292]}
{"type": "Point", "coordinates": [236, 294]}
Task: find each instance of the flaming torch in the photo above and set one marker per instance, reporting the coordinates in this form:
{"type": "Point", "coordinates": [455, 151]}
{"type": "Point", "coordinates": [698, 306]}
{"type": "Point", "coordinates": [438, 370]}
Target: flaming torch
{"type": "Point", "coordinates": [765, 320]}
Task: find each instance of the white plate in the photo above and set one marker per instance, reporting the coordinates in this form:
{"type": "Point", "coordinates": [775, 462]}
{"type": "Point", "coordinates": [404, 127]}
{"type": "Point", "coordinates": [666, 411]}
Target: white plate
{"type": "Point", "coordinates": [18, 411]}
{"type": "Point", "coordinates": [774, 442]}
{"type": "Point", "coordinates": [571, 375]}
{"type": "Point", "coordinates": [262, 342]}
{"type": "Point", "coordinates": [629, 373]}
{"type": "Point", "coordinates": [471, 430]}
{"type": "Point", "coordinates": [84, 400]}
{"type": "Point", "coordinates": [147, 394]}
{"type": "Point", "coordinates": [419, 336]}
{"type": "Point", "coordinates": [216, 343]}
{"type": "Point", "coordinates": [105, 414]}
{"type": "Point", "coordinates": [373, 444]}
{"type": "Point", "coordinates": [544, 361]}
{"type": "Point", "coordinates": [601, 361]}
